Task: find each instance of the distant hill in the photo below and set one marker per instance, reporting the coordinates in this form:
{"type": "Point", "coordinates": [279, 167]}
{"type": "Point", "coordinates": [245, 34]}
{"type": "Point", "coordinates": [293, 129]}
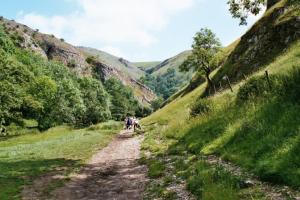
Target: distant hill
{"type": "Point", "coordinates": [115, 62]}
{"type": "Point", "coordinates": [144, 66]}
{"type": "Point", "coordinates": [171, 63]}
{"type": "Point", "coordinates": [52, 48]}
{"type": "Point", "coordinates": [165, 78]}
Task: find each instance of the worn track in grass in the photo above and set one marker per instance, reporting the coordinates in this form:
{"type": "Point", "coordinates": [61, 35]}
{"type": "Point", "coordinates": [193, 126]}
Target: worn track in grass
{"type": "Point", "coordinates": [111, 174]}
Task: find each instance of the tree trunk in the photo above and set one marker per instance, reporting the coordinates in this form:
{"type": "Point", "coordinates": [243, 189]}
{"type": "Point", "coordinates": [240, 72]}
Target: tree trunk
{"type": "Point", "coordinates": [271, 3]}
{"type": "Point", "coordinates": [209, 82]}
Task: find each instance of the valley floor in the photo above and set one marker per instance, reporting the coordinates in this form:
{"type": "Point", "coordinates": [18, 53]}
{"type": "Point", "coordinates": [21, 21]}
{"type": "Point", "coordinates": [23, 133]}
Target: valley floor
{"type": "Point", "coordinates": [111, 173]}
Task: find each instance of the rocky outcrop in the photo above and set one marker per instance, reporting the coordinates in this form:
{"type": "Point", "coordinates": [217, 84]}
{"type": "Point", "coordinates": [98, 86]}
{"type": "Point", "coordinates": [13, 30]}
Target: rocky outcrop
{"type": "Point", "coordinates": [267, 39]}
{"type": "Point", "coordinates": [52, 48]}
{"type": "Point", "coordinates": [105, 72]}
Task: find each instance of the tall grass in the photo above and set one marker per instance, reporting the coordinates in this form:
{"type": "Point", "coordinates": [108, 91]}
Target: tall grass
{"type": "Point", "coordinates": [254, 127]}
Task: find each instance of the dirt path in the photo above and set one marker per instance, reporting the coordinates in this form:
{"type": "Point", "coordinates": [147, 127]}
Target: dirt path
{"type": "Point", "coordinates": [113, 173]}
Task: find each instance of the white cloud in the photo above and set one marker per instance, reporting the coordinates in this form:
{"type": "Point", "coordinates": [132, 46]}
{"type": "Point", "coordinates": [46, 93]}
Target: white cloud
{"type": "Point", "coordinates": [101, 23]}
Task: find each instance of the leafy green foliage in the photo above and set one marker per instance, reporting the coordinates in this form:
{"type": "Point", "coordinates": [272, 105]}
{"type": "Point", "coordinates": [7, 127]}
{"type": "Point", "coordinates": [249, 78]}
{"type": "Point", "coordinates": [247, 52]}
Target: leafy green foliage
{"type": "Point", "coordinates": [202, 106]}
{"type": "Point", "coordinates": [205, 47]}
{"type": "Point", "coordinates": [157, 103]}
{"type": "Point", "coordinates": [123, 102]}
{"type": "Point", "coordinates": [32, 88]}
{"type": "Point", "coordinates": [242, 9]}
{"type": "Point", "coordinates": [163, 85]}
{"type": "Point", "coordinates": [95, 99]}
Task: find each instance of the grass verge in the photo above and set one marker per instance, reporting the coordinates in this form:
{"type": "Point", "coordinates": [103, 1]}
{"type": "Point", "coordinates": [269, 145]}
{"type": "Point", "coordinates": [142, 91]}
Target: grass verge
{"type": "Point", "coordinates": [26, 157]}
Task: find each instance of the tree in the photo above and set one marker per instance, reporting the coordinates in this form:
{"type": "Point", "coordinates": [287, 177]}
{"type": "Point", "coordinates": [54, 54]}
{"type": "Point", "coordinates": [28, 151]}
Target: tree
{"type": "Point", "coordinates": [122, 99]}
{"type": "Point", "coordinates": [96, 101]}
{"type": "Point", "coordinates": [205, 47]}
{"type": "Point", "coordinates": [242, 8]}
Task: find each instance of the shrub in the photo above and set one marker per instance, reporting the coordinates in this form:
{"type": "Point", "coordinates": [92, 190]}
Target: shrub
{"type": "Point", "coordinates": [200, 107]}
{"type": "Point", "coordinates": [90, 59]}
{"type": "Point", "coordinates": [284, 86]}
{"type": "Point", "coordinates": [254, 88]}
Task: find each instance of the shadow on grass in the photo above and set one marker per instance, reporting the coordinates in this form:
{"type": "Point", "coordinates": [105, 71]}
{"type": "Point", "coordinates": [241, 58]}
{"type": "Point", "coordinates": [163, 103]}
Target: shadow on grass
{"type": "Point", "coordinates": [18, 173]}
{"type": "Point", "coordinates": [266, 141]}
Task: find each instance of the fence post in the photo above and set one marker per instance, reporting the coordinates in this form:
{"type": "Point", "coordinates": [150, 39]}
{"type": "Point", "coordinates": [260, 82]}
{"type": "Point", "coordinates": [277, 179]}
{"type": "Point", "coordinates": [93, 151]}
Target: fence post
{"type": "Point", "coordinates": [268, 79]}
{"type": "Point", "coordinates": [228, 81]}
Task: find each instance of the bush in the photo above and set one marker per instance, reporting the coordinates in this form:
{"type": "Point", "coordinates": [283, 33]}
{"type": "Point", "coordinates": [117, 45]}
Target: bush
{"type": "Point", "coordinates": [90, 59]}
{"type": "Point", "coordinates": [200, 107]}
{"type": "Point", "coordinates": [284, 86]}
{"type": "Point", "coordinates": [254, 88]}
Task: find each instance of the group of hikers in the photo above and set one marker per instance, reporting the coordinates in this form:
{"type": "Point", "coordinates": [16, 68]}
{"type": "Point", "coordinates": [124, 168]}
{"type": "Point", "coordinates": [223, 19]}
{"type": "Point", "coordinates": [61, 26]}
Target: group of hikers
{"type": "Point", "coordinates": [132, 123]}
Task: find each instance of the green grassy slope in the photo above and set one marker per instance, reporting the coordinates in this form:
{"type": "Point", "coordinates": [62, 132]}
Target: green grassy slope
{"type": "Point", "coordinates": [165, 78]}
{"type": "Point", "coordinates": [171, 63]}
{"type": "Point", "coordinates": [253, 127]}
{"type": "Point", "coordinates": [115, 62]}
{"type": "Point", "coordinates": [24, 158]}
{"type": "Point", "coordinates": [267, 39]}
{"type": "Point", "coordinates": [146, 65]}
{"type": "Point", "coordinates": [196, 80]}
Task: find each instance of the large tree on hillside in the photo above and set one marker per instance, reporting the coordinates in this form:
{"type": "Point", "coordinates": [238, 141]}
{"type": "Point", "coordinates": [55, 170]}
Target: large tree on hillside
{"type": "Point", "coordinates": [205, 47]}
{"type": "Point", "coordinates": [242, 8]}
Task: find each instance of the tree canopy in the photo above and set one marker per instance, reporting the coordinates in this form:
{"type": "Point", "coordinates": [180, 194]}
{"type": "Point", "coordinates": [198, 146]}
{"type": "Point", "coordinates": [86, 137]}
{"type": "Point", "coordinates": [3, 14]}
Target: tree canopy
{"type": "Point", "coordinates": [51, 94]}
{"type": "Point", "coordinates": [241, 9]}
{"type": "Point", "coordinates": [204, 48]}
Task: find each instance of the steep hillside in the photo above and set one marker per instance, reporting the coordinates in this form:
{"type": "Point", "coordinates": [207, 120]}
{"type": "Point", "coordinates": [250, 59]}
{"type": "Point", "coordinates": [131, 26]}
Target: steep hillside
{"type": "Point", "coordinates": [52, 48]}
{"type": "Point", "coordinates": [115, 62]}
{"type": "Point", "coordinates": [144, 66]}
{"type": "Point", "coordinates": [165, 78]}
{"type": "Point", "coordinates": [267, 39]}
{"type": "Point", "coordinates": [233, 145]}
{"type": "Point", "coordinates": [171, 63]}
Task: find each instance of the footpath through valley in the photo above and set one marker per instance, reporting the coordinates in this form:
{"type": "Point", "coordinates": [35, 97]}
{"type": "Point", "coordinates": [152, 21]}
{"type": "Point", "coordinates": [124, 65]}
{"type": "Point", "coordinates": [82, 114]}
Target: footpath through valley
{"type": "Point", "coordinates": [113, 173]}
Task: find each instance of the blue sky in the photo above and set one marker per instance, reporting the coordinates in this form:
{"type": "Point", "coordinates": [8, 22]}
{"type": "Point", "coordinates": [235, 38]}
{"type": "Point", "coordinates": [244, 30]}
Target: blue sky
{"type": "Point", "coordinates": [138, 30]}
